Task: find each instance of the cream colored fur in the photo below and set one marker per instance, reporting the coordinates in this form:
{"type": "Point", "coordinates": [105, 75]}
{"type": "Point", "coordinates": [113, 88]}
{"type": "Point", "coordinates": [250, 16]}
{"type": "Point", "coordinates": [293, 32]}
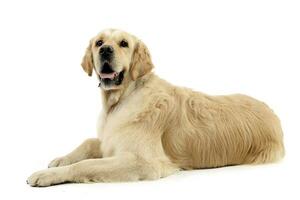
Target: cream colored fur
{"type": "Point", "coordinates": [150, 128]}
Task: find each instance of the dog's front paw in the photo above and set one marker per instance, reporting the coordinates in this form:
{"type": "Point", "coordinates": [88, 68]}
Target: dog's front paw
{"type": "Point", "coordinates": [60, 161]}
{"type": "Point", "coordinates": [47, 177]}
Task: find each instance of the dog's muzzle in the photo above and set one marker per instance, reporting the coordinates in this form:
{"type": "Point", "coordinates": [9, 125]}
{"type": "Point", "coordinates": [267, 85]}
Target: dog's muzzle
{"type": "Point", "coordinates": [109, 77]}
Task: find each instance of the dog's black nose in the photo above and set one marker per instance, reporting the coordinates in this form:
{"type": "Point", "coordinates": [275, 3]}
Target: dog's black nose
{"type": "Point", "coordinates": [106, 50]}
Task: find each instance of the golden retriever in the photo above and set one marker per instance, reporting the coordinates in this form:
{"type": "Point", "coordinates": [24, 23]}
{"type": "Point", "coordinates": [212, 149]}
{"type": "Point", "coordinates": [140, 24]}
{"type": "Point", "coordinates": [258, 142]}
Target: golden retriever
{"type": "Point", "coordinates": [150, 128]}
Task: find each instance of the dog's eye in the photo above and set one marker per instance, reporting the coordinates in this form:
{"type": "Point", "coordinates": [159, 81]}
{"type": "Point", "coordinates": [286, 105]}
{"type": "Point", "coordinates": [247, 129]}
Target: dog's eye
{"type": "Point", "coordinates": [99, 43]}
{"type": "Point", "coordinates": [123, 43]}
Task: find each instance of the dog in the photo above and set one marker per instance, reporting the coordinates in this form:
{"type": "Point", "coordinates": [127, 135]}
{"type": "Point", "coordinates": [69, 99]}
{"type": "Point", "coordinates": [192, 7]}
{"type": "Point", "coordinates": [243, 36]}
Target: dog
{"type": "Point", "coordinates": [151, 129]}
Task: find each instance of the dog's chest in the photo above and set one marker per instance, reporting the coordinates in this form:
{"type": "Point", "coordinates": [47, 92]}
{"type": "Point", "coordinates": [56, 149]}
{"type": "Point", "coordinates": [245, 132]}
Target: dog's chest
{"type": "Point", "coordinates": [114, 133]}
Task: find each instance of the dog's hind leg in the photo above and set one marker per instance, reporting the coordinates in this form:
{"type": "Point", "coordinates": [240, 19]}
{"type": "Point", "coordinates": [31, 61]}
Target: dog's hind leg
{"type": "Point", "coordinates": [270, 153]}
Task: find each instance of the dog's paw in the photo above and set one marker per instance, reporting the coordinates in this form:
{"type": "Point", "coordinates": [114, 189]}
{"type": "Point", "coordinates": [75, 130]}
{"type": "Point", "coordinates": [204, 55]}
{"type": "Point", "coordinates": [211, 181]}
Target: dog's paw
{"type": "Point", "coordinates": [46, 177]}
{"type": "Point", "coordinates": [60, 161]}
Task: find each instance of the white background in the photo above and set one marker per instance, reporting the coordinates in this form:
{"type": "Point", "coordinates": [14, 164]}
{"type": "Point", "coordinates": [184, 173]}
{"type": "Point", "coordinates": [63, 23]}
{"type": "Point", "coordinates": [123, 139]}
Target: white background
{"type": "Point", "coordinates": [48, 105]}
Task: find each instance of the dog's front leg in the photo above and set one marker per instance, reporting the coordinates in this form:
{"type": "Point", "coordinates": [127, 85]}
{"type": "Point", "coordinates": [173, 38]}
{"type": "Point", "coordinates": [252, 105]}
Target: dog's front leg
{"type": "Point", "coordinates": [123, 167]}
{"type": "Point", "coordinates": [90, 148]}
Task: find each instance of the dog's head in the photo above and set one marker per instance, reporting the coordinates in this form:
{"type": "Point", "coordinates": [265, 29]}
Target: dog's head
{"type": "Point", "coordinates": [116, 57]}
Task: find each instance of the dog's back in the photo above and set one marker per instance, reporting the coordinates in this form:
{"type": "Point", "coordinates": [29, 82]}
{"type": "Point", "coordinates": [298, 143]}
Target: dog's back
{"type": "Point", "coordinates": [211, 131]}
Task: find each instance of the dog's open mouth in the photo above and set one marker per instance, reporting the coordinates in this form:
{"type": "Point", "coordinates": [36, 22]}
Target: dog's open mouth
{"type": "Point", "coordinates": [108, 76]}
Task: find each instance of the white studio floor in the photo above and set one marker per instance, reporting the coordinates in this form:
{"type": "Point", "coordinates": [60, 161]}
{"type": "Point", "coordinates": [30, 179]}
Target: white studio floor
{"type": "Point", "coordinates": [273, 181]}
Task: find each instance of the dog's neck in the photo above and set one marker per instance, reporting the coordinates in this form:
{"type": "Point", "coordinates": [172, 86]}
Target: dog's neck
{"type": "Point", "coordinates": [111, 98]}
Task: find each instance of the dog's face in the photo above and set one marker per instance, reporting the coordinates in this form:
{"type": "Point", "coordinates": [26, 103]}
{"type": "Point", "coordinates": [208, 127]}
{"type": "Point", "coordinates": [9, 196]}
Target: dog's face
{"type": "Point", "coordinates": [117, 58]}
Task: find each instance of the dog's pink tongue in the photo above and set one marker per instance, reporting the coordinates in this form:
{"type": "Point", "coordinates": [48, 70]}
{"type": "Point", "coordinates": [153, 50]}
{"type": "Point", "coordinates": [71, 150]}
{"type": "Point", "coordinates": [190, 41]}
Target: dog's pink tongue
{"type": "Point", "coordinates": [110, 76]}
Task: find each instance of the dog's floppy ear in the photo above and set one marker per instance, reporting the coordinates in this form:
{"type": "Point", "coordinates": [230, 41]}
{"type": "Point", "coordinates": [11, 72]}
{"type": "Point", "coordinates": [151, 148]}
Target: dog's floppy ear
{"type": "Point", "coordinates": [141, 63]}
{"type": "Point", "coordinates": [87, 61]}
